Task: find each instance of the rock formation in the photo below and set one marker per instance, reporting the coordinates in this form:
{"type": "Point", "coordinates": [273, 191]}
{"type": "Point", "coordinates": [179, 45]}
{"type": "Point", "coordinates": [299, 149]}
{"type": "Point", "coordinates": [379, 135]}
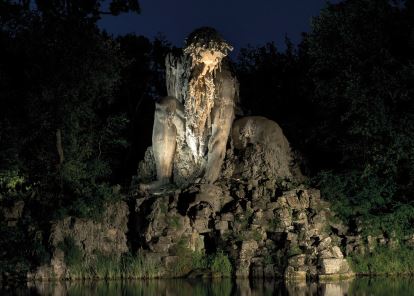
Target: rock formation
{"type": "Point", "coordinates": [89, 238]}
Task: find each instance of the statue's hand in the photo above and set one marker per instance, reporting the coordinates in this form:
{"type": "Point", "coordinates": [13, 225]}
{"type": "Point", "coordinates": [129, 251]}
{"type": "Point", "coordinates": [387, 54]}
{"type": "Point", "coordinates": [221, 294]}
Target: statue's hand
{"type": "Point", "coordinates": [157, 187]}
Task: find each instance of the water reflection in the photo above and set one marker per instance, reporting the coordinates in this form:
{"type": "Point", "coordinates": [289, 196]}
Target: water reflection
{"type": "Point", "coordinates": [224, 287]}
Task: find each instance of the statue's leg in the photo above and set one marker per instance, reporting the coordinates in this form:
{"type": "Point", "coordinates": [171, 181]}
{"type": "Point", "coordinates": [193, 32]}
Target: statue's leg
{"type": "Point", "coordinates": [163, 141]}
{"type": "Point", "coordinates": [222, 117]}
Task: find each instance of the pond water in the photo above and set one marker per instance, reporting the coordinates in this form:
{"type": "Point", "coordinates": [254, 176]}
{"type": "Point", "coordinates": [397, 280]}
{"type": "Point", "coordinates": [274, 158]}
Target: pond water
{"type": "Point", "coordinates": [219, 287]}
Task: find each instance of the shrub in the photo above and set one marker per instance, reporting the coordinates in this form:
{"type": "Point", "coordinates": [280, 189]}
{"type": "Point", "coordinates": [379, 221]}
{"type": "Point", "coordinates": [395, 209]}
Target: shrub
{"type": "Point", "coordinates": [139, 266]}
{"type": "Point", "coordinates": [220, 263]}
{"type": "Point", "coordinates": [73, 254]}
{"type": "Point", "coordinates": [385, 260]}
{"type": "Point", "coordinates": [294, 250]}
{"type": "Point", "coordinates": [367, 198]}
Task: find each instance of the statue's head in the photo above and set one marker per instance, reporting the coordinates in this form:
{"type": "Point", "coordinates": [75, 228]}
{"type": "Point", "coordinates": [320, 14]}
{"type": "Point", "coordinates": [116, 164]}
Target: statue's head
{"type": "Point", "coordinates": [205, 45]}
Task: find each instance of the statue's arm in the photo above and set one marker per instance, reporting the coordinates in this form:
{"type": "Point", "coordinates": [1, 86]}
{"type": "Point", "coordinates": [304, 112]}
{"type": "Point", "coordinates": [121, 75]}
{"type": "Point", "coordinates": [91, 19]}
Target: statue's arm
{"type": "Point", "coordinates": [222, 117]}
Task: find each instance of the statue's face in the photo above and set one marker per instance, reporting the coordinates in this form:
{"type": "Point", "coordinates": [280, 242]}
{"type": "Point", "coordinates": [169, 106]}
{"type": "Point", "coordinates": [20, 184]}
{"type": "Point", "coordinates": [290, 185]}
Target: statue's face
{"type": "Point", "coordinates": [210, 58]}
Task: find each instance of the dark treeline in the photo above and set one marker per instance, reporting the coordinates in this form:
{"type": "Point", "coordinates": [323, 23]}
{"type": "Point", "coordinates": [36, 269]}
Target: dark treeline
{"type": "Point", "coordinates": [345, 99]}
{"type": "Point", "coordinates": [76, 111]}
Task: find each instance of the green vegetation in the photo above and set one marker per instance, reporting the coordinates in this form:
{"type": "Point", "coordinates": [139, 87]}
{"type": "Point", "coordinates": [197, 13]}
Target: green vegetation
{"type": "Point", "coordinates": [385, 261]}
{"type": "Point", "coordinates": [188, 261]}
{"type": "Point", "coordinates": [365, 103]}
{"type": "Point", "coordinates": [294, 250]}
{"type": "Point", "coordinates": [174, 222]}
{"type": "Point", "coordinates": [73, 254]}
{"type": "Point", "coordinates": [220, 263]}
{"type": "Point", "coordinates": [275, 223]}
{"type": "Point", "coordinates": [217, 263]}
{"type": "Point", "coordinates": [106, 266]}
{"type": "Point", "coordinates": [111, 267]}
{"type": "Point", "coordinates": [140, 265]}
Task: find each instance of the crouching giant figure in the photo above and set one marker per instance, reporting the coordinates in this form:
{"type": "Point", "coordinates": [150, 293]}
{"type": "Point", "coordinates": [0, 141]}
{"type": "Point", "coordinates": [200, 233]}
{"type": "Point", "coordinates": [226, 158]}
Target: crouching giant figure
{"type": "Point", "coordinates": [192, 124]}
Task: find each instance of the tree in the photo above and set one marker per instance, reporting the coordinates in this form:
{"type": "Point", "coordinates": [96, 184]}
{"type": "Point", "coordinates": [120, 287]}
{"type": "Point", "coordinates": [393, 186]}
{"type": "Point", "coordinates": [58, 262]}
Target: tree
{"type": "Point", "coordinates": [58, 79]}
{"type": "Point", "coordinates": [362, 56]}
{"type": "Point", "coordinates": [275, 84]}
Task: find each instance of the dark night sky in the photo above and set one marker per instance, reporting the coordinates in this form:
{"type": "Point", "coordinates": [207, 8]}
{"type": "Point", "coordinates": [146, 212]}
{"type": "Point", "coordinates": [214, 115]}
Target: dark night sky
{"type": "Point", "coordinates": [241, 22]}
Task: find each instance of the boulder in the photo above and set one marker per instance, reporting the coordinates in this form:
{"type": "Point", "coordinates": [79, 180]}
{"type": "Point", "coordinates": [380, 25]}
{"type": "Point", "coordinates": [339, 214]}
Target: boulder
{"type": "Point", "coordinates": [246, 253]}
{"type": "Point", "coordinates": [335, 266]}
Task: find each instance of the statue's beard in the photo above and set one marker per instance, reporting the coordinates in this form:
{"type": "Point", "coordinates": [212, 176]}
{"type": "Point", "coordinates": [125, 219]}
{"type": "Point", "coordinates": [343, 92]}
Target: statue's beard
{"type": "Point", "coordinates": [200, 101]}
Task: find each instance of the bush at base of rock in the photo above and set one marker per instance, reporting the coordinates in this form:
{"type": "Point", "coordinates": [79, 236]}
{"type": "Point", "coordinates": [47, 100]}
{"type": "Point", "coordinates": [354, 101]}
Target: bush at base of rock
{"type": "Point", "coordinates": [384, 260]}
{"type": "Point", "coordinates": [197, 264]}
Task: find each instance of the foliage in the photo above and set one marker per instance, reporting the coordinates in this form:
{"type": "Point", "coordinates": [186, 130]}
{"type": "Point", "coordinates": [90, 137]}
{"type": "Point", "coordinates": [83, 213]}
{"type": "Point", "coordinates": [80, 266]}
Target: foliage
{"type": "Point", "coordinates": [73, 254]}
{"type": "Point", "coordinates": [220, 263]}
{"type": "Point", "coordinates": [365, 106]}
{"type": "Point", "coordinates": [361, 85]}
{"type": "Point", "coordinates": [275, 223]}
{"type": "Point", "coordinates": [354, 196]}
{"type": "Point", "coordinates": [13, 258]}
{"type": "Point", "coordinates": [65, 126]}
{"type": "Point", "coordinates": [139, 266]}
{"type": "Point", "coordinates": [22, 247]}
{"type": "Point", "coordinates": [103, 266]}
{"type": "Point", "coordinates": [274, 84]}
{"type": "Point", "coordinates": [385, 260]}
{"type": "Point", "coordinates": [174, 222]}
{"type": "Point", "coordinates": [10, 181]}
{"type": "Point", "coordinates": [81, 10]}
{"type": "Point", "coordinates": [293, 251]}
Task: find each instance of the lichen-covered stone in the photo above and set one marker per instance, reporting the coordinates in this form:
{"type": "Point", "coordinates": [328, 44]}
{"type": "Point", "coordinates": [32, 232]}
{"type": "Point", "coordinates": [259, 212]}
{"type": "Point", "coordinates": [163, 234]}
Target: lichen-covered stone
{"type": "Point", "coordinates": [247, 251]}
{"type": "Point", "coordinates": [331, 266]}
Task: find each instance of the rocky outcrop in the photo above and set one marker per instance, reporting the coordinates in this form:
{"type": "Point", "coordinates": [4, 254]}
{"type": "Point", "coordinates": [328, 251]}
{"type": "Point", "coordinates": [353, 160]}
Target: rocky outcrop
{"type": "Point", "coordinates": [269, 236]}
{"type": "Point", "coordinates": [87, 238]}
{"type": "Point", "coordinates": [255, 213]}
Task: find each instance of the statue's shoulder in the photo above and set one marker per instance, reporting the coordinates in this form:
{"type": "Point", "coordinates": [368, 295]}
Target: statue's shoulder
{"type": "Point", "coordinates": [177, 71]}
{"type": "Point", "coordinates": [227, 83]}
{"type": "Point", "coordinates": [227, 70]}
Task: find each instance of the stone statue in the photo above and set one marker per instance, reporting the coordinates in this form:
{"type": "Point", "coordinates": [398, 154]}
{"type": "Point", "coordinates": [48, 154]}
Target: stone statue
{"type": "Point", "coordinates": [192, 124]}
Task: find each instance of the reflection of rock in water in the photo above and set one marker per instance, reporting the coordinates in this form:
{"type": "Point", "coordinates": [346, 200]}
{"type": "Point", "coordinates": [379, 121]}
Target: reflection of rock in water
{"type": "Point", "coordinates": [270, 287]}
{"type": "Point", "coordinates": [332, 289]}
{"type": "Point", "coordinates": [172, 287]}
{"type": "Point", "coordinates": [218, 287]}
